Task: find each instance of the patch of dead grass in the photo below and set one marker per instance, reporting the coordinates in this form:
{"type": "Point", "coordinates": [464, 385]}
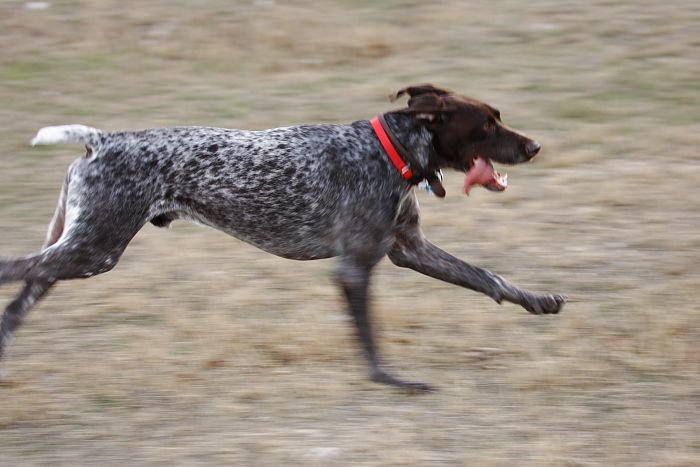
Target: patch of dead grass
{"type": "Point", "coordinates": [199, 349]}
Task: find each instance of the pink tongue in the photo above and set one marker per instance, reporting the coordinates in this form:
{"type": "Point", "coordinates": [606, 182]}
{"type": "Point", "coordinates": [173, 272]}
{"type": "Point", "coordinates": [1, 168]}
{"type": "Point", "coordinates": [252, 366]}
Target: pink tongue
{"type": "Point", "coordinates": [482, 173]}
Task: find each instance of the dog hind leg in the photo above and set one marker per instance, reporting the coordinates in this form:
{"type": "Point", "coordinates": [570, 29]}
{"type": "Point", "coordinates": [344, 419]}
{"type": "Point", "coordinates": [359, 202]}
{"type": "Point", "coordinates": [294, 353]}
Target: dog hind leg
{"type": "Point", "coordinates": [33, 290]}
{"type": "Point", "coordinates": [76, 247]}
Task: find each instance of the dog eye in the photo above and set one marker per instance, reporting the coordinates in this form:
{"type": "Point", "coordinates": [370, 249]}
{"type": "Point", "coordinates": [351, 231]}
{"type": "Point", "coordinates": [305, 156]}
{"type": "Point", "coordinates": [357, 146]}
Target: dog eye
{"type": "Point", "coordinates": [490, 125]}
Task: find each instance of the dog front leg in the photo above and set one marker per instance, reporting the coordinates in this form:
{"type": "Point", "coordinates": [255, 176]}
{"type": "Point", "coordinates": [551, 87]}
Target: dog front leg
{"type": "Point", "coordinates": [354, 280]}
{"type": "Point", "coordinates": [426, 258]}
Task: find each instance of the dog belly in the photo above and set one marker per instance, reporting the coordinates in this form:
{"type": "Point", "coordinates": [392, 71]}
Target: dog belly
{"type": "Point", "coordinates": [291, 238]}
{"type": "Point", "coordinates": [287, 244]}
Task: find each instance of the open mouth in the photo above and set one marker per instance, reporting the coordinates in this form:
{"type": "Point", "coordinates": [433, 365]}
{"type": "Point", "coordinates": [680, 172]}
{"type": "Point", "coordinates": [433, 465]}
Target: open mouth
{"type": "Point", "coordinates": [481, 172]}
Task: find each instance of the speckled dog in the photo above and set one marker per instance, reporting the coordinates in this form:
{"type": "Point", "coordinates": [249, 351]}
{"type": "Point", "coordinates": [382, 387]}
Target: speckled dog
{"type": "Point", "coordinates": [302, 192]}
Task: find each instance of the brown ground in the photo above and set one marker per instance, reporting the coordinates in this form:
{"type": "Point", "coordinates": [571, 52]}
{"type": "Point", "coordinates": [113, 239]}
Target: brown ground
{"type": "Point", "coordinates": [200, 350]}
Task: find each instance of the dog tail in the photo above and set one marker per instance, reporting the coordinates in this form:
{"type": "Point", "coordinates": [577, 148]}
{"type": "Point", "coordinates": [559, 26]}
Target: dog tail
{"type": "Point", "coordinates": [68, 134]}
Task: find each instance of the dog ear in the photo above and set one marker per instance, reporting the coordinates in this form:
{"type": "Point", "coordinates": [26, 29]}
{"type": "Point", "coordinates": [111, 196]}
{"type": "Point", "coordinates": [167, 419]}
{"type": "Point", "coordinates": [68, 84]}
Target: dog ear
{"type": "Point", "coordinates": [418, 90]}
{"type": "Point", "coordinates": [428, 108]}
{"type": "Point", "coordinates": [425, 107]}
{"type": "Point", "coordinates": [426, 102]}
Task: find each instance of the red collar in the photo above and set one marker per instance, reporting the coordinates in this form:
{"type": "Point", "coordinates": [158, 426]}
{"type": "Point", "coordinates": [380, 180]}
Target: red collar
{"type": "Point", "coordinates": [390, 145]}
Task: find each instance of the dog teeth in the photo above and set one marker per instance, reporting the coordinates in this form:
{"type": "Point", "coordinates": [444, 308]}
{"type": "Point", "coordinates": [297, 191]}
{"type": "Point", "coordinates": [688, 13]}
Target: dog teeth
{"type": "Point", "coordinates": [502, 179]}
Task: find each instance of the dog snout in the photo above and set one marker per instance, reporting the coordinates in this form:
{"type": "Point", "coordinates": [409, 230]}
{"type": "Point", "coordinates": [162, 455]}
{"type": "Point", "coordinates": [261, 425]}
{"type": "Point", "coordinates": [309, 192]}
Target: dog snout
{"type": "Point", "coordinates": [532, 148]}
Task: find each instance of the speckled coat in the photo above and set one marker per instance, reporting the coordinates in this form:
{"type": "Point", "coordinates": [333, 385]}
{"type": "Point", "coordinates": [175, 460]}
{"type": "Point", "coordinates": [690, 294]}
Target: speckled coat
{"type": "Point", "coordinates": [302, 192]}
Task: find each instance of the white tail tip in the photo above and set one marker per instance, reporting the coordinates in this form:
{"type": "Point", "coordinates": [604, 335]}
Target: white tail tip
{"type": "Point", "coordinates": [66, 134]}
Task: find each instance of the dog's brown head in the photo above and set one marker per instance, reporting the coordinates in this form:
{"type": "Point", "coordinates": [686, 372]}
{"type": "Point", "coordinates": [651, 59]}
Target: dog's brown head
{"type": "Point", "coordinates": [468, 134]}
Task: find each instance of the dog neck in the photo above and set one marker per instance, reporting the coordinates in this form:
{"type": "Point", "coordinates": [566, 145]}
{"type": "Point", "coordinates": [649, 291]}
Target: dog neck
{"type": "Point", "coordinates": [421, 157]}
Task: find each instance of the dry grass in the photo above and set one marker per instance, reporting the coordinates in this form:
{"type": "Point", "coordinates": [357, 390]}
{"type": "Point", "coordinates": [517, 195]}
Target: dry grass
{"type": "Point", "coordinates": [200, 350]}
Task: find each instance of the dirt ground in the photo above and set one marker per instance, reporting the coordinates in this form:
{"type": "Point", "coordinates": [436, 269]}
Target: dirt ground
{"type": "Point", "coordinates": [201, 350]}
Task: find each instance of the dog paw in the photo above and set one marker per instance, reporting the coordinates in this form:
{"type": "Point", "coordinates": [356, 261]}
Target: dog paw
{"type": "Point", "coordinates": [380, 376]}
{"type": "Point", "coordinates": [546, 304]}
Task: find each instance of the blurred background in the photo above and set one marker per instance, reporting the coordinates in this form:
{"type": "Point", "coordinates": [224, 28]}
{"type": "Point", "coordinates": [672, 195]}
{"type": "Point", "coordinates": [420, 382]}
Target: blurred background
{"type": "Point", "coordinates": [200, 350]}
